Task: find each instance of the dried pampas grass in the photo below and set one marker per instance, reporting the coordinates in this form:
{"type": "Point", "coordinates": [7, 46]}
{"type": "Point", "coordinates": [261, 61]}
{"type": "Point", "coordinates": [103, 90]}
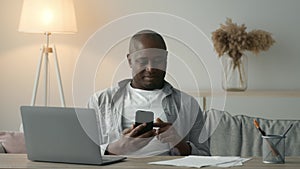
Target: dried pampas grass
{"type": "Point", "coordinates": [232, 39]}
{"type": "Point", "coordinates": [259, 40]}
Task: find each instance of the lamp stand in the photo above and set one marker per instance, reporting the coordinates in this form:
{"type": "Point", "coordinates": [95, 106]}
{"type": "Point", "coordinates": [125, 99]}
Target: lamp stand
{"type": "Point", "coordinates": [44, 53]}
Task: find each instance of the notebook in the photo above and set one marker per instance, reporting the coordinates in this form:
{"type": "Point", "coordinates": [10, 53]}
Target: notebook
{"type": "Point", "coordinates": [67, 135]}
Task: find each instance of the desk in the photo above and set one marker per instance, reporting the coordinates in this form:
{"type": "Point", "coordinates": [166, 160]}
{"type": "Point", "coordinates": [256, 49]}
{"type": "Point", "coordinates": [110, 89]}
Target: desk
{"type": "Point", "coordinates": [20, 161]}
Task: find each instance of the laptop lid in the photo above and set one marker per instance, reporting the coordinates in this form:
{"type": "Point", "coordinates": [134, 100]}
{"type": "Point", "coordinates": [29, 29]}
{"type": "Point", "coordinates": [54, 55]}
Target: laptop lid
{"type": "Point", "coordinates": [57, 134]}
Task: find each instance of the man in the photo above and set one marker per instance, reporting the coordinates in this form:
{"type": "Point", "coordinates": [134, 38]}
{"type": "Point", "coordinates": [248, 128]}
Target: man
{"type": "Point", "coordinates": [179, 118]}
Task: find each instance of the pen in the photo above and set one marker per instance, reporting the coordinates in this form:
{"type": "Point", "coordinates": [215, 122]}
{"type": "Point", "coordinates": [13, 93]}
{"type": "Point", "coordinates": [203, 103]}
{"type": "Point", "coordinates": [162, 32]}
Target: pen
{"type": "Point", "coordinates": [258, 127]}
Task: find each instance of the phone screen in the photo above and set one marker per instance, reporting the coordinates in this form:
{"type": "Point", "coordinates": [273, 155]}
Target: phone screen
{"type": "Point", "coordinates": [141, 117]}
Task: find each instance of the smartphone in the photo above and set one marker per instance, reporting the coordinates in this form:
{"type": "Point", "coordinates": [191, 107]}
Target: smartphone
{"type": "Point", "coordinates": [141, 117]}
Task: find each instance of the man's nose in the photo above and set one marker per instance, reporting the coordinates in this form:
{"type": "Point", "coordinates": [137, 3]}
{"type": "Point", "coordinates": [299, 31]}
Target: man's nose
{"type": "Point", "coordinates": [149, 67]}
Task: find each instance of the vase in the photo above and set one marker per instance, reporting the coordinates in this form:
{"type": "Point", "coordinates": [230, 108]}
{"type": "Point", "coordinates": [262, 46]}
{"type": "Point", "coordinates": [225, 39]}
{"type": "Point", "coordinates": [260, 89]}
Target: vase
{"type": "Point", "coordinates": [235, 73]}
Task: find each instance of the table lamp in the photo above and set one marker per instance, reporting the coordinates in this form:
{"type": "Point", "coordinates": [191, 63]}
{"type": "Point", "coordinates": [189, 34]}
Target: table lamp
{"type": "Point", "coordinates": [48, 17]}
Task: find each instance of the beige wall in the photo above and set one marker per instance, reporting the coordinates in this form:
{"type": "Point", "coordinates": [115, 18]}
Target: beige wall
{"type": "Point", "coordinates": [275, 69]}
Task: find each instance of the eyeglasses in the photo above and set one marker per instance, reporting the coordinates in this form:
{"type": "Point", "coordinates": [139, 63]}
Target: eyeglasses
{"type": "Point", "coordinates": [151, 56]}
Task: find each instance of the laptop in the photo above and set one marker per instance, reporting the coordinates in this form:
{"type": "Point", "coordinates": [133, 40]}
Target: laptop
{"type": "Point", "coordinates": [67, 135]}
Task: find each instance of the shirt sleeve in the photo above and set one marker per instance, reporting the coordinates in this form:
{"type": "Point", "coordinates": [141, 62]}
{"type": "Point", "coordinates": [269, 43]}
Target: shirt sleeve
{"type": "Point", "coordinates": [93, 104]}
{"type": "Point", "coordinates": [194, 135]}
{"type": "Point", "coordinates": [199, 151]}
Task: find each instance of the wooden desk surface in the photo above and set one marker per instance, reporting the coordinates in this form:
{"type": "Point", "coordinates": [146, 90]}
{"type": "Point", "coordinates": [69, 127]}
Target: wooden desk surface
{"type": "Point", "coordinates": [21, 161]}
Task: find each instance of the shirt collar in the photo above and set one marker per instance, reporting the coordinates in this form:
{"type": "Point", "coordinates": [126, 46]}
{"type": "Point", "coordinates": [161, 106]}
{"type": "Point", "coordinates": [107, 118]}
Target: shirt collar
{"type": "Point", "coordinates": [167, 89]}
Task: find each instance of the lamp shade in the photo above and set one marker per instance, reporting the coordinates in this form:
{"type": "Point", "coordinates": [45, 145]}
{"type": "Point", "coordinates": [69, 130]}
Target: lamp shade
{"type": "Point", "coordinates": [54, 16]}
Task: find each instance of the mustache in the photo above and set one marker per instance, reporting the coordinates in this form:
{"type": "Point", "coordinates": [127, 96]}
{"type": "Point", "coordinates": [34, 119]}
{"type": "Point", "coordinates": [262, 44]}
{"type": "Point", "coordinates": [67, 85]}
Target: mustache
{"type": "Point", "coordinates": [154, 72]}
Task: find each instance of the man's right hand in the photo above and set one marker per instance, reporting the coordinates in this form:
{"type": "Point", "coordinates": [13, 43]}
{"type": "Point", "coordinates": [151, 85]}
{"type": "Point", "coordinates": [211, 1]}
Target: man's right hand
{"type": "Point", "coordinates": [131, 141]}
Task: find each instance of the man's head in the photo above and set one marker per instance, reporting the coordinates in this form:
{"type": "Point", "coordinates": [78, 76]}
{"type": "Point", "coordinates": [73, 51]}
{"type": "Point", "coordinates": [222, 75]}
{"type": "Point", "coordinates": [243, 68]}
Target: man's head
{"type": "Point", "coordinates": [148, 59]}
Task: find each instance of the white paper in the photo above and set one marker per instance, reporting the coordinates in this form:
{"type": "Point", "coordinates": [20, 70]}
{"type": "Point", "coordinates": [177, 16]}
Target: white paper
{"type": "Point", "coordinates": [201, 161]}
{"type": "Point", "coordinates": [235, 163]}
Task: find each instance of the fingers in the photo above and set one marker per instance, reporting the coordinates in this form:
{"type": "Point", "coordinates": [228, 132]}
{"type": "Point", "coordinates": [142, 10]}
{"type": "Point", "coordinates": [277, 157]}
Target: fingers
{"type": "Point", "coordinates": [158, 120]}
{"type": "Point", "coordinates": [163, 126]}
{"type": "Point", "coordinates": [127, 130]}
{"type": "Point", "coordinates": [160, 123]}
{"type": "Point", "coordinates": [136, 130]}
{"type": "Point", "coordinates": [163, 129]}
{"type": "Point", "coordinates": [148, 134]}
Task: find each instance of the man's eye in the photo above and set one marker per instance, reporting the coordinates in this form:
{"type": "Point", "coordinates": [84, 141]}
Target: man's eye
{"type": "Point", "coordinates": [159, 61]}
{"type": "Point", "coordinates": [142, 62]}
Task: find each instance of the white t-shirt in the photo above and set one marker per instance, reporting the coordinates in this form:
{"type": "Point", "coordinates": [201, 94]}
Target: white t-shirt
{"type": "Point", "coordinates": [137, 99]}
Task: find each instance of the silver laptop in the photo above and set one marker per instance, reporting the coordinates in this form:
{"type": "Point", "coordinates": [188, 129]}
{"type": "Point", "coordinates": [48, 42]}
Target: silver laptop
{"type": "Point", "coordinates": [68, 135]}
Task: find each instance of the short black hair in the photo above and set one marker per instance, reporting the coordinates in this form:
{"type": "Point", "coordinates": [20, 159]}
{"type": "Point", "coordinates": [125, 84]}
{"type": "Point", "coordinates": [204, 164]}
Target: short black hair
{"type": "Point", "coordinates": [149, 34]}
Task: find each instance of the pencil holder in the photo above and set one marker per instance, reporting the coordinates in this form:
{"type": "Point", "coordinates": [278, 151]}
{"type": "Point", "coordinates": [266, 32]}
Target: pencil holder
{"type": "Point", "coordinates": [273, 149]}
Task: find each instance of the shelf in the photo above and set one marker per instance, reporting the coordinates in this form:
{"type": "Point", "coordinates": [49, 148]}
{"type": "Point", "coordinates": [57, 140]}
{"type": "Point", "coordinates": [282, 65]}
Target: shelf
{"type": "Point", "coordinates": [249, 93]}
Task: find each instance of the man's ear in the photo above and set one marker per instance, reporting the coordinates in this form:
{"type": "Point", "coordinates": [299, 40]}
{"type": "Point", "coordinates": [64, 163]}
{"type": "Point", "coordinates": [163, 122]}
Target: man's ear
{"type": "Point", "coordinates": [129, 60]}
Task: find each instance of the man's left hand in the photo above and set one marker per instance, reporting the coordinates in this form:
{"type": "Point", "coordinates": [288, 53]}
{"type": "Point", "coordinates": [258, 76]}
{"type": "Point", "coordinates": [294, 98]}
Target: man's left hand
{"type": "Point", "coordinates": [13, 142]}
{"type": "Point", "coordinates": [168, 134]}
